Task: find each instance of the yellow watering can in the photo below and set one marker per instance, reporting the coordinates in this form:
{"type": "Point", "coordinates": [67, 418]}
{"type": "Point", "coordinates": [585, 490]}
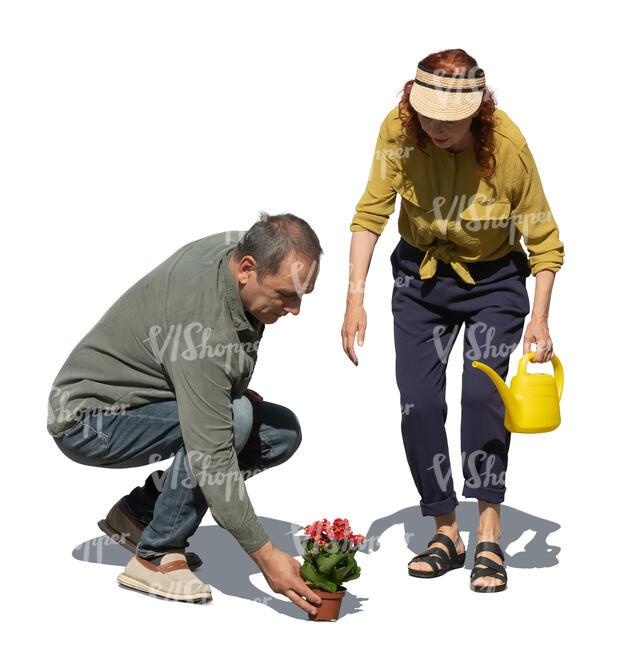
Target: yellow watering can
{"type": "Point", "coordinates": [532, 401]}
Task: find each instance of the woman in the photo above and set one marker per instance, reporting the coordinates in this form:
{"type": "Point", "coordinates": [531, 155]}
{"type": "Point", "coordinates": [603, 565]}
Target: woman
{"type": "Point", "coordinates": [470, 191]}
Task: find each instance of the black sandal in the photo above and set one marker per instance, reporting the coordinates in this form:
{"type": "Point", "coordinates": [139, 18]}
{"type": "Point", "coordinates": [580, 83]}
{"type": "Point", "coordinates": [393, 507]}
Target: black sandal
{"type": "Point", "coordinates": [489, 568]}
{"type": "Point", "coordinates": [438, 559]}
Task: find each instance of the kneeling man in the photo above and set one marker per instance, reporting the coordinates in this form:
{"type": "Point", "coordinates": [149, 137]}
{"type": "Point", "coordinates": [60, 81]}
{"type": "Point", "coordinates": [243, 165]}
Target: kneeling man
{"type": "Point", "coordinates": [164, 373]}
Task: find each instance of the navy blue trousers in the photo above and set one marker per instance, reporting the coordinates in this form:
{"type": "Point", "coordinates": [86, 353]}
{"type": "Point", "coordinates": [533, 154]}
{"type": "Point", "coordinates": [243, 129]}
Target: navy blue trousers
{"type": "Point", "coordinates": [428, 315]}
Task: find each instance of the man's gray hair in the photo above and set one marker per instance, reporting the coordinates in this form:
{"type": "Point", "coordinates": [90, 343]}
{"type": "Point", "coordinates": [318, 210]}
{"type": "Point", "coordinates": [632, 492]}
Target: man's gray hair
{"type": "Point", "coordinates": [273, 237]}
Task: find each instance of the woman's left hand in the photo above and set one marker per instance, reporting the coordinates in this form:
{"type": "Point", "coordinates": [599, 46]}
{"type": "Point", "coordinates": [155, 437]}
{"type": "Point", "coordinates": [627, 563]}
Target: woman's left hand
{"type": "Point", "coordinates": [538, 332]}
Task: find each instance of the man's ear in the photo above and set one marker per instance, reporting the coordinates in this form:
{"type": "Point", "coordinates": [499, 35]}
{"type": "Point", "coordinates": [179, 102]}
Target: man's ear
{"type": "Point", "coordinates": [246, 266]}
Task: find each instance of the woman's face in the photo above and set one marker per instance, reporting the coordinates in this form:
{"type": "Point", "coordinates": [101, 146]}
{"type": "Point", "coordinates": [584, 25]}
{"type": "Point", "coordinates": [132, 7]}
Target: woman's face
{"type": "Point", "coordinates": [454, 136]}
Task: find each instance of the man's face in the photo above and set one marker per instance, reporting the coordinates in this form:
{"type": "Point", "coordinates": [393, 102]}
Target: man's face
{"type": "Point", "coordinates": [272, 296]}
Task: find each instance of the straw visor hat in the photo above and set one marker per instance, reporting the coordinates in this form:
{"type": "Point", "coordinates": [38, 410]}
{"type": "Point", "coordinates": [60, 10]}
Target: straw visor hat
{"type": "Point", "coordinates": [449, 97]}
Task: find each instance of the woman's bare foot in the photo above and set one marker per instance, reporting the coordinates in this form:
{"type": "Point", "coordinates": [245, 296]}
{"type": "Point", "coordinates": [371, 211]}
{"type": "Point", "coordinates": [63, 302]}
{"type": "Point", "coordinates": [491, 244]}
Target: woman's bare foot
{"type": "Point", "coordinates": [446, 525]}
{"type": "Point", "coordinates": [489, 530]}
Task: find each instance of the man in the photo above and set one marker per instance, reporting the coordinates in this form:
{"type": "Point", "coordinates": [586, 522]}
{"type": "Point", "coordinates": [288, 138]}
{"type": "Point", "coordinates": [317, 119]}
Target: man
{"type": "Point", "coordinates": [165, 373]}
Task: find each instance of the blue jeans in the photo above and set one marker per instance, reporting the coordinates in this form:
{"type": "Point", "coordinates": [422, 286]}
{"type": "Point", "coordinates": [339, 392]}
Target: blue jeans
{"type": "Point", "coordinates": [171, 504]}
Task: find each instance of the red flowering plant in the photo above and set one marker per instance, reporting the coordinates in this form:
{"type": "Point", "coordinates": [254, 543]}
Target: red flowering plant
{"type": "Point", "coordinates": [329, 559]}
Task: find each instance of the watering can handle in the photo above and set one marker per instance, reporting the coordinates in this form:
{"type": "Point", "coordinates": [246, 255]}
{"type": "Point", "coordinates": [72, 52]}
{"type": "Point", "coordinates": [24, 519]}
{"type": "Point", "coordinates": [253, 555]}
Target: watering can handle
{"type": "Point", "coordinates": [558, 373]}
{"type": "Point", "coordinates": [522, 364]}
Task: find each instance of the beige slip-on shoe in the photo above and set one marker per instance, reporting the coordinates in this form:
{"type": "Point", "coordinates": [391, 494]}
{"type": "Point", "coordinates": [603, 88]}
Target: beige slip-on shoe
{"type": "Point", "coordinates": [170, 579]}
{"type": "Point", "coordinates": [124, 529]}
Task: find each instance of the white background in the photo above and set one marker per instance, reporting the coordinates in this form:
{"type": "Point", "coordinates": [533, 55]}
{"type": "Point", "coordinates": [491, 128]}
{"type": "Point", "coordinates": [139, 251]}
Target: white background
{"type": "Point", "coordinates": [130, 128]}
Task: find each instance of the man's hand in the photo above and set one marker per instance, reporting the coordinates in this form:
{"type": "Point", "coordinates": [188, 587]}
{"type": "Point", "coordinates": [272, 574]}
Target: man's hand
{"type": "Point", "coordinates": [282, 573]}
{"type": "Point", "coordinates": [538, 332]}
{"type": "Point", "coordinates": [252, 396]}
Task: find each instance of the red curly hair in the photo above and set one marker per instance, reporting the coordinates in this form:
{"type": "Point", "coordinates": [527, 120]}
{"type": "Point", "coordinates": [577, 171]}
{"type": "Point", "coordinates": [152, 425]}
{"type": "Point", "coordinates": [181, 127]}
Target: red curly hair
{"type": "Point", "coordinates": [455, 61]}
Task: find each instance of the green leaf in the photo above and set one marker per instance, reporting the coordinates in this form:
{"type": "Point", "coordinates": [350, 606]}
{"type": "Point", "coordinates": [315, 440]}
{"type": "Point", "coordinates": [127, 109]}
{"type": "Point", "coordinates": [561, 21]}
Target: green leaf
{"type": "Point", "coordinates": [327, 562]}
{"type": "Point", "coordinates": [348, 572]}
{"type": "Point", "coordinates": [355, 573]}
{"type": "Point", "coordinates": [340, 574]}
{"type": "Point", "coordinates": [308, 572]}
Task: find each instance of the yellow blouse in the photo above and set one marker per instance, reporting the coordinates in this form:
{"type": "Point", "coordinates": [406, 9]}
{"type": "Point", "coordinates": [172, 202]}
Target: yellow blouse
{"type": "Point", "coordinates": [453, 214]}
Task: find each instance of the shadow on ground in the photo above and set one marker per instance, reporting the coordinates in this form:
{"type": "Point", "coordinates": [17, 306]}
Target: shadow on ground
{"type": "Point", "coordinates": [227, 569]}
{"type": "Point", "coordinates": [418, 531]}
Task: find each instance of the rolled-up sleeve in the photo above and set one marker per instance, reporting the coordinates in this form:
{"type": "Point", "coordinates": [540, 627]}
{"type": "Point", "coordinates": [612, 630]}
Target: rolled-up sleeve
{"type": "Point", "coordinates": [533, 218]}
{"type": "Point", "coordinates": [203, 395]}
{"type": "Point", "coordinates": [378, 201]}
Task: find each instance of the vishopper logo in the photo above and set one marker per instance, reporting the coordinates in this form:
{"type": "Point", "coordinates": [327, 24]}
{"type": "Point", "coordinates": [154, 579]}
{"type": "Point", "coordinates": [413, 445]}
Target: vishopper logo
{"type": "Point", "coordinates": [359, 286]}
{"type": "Point", "coordinates": [179, 340]}
{"type": "Point", "coordinates": [93, 550]}
{"type": "Point", "coordinates": [472, 213]}
{"type": "Point", "coordinates": [523, 221]}
{"type": "Point", "coordinates": [386, 156]}
{"type": "Point", "coordinates": [202, 465]}
{"type": "Point", "coordinates": [480, 212]}
{"type": "Point", "coordinates": [199, 471]}
{"type": "Point", "coordinates": [479, 467]}
{"type": "Point", "coordinates": [406, 408]}
{"type": "Point", "coordinates": [234, 236]}
{"type": "Point", "coordinates": [451, 99]}
{"type": "Point", "coordinates": [63, 414]}
{"type": "Point", "coordinates": [519, 222]}
{"type": "Point", "coordinates": [476, 206]}
{"type": "Point", "coordinates": [299, 284]}
{"type": "Point", "coordinates": [482, 347]}
{"type": "Point", "coordinates": [482, 216]}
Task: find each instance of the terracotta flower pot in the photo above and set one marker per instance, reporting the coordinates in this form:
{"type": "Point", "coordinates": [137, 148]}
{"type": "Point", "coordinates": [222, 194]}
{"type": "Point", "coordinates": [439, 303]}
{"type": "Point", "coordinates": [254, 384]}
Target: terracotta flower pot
{"type": "Point", "coordinates": [329, 610]}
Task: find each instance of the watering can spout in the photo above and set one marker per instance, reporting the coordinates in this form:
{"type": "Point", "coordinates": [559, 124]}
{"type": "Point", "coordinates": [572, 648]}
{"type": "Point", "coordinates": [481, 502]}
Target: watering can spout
{"type": "Point", "coordinates": [501, 386]}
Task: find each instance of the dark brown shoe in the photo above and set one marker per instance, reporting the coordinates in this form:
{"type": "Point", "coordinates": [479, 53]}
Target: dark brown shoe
{"type": "Point", "coordinates": [124, 529]}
